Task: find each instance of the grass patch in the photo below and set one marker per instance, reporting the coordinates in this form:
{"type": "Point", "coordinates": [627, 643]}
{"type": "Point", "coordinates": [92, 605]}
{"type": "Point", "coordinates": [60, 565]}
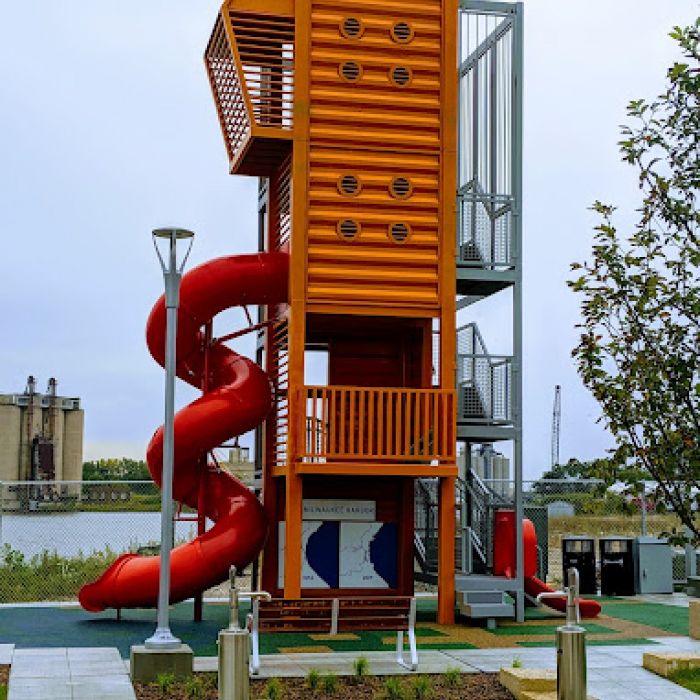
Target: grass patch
{"type": "Point", "coordinates": [688, 678]}
{"type": "Point", "coordinates": [596, 525]}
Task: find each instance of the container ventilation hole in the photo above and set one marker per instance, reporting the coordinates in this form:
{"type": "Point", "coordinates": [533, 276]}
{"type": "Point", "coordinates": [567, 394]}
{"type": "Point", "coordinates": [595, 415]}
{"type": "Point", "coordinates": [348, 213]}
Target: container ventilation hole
{"type": "Point", "coordinates": [401, 188]}
{"type": "Point", "coordinates": [400, 75]}
{"type": "Point", "coordinates": [351, 28]}
{"type": "Point", "coordinates": [349, 185]}
{"type": "Point", "coordinates": [351, 71]}
{"type": "Point", "coordinates": [348, 229]}
{"type": "Point", "coordinates": [402, 33]}
{"type": "Point", "coordinates": [399, 232]}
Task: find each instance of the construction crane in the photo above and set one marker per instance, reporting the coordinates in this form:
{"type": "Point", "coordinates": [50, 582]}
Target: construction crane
{"type": "Point", "coordinates": [556, 425]}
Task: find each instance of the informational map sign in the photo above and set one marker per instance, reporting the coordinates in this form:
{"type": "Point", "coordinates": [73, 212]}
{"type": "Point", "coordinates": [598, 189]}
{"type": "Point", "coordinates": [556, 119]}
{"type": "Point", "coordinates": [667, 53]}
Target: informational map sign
{"type": "Point", "coordinates": [345, 554]}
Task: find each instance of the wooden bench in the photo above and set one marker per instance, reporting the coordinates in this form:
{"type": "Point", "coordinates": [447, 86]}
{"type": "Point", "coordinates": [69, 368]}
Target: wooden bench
{"type": "Point", "coordinates": [333, 616]}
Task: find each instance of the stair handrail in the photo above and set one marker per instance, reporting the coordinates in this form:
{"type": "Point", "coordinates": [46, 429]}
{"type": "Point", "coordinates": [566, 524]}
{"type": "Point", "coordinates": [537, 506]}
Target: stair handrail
{"type": "Point", "coordinates": [428, 503]}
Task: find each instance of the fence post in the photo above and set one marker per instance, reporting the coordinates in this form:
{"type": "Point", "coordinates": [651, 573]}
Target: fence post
{"type": "Point", "coordinates": [643, 505]}
{"type": "Point", "coordinates": [690, 555]}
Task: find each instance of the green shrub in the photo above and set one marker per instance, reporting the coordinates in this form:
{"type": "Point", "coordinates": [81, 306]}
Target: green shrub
{"type": "Point", "coordinates": [165, 682]}
{"type": "Point", "coordinates": [194, 687]}
{"type": "Point", "coordinates": [329, 683]}
{"type": "Point", "coordinates": [360, 667]}
{"type": "Point", "coordinates": [453, 677]}
{"type": "Point", "coordinates": [273, 690]}
{"type": "Point", "coordinates": [421, 688]}
{"type": "Point", "coordinates": [393, 690]}
{"type": "Point", "coordinates": [48, 576]}
{"type": "Point", "coordinates": [312, 679]}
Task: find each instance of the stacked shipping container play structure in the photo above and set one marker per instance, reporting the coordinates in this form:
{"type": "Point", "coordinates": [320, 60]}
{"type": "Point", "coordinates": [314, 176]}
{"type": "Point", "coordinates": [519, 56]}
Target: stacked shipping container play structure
{"type": "Point", "coordinates": [347, 111]}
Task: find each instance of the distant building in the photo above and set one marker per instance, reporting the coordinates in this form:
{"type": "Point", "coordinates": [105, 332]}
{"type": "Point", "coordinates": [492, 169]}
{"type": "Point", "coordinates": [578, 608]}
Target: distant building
{"type": "Point", "coordinates": [492, 467]}
{"type": "Point", "coordinates": [561, 509]}
{"type": "Point", "coordinates": [41, 435]}
{"type": "Point", "coordinates": [239, 464]}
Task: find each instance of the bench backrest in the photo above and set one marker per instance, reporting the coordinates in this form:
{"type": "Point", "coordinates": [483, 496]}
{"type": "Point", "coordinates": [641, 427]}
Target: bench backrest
{"type": "Point", "coordinates": [332, 615]}
{"type": "Point", "coordinates": [303, 615]}
{"type": "Point", "coordinates": [374, 614]}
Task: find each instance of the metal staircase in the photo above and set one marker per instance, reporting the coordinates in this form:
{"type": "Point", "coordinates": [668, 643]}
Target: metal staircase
{"type": "Point", "coordinates": [480, 595]}
{"type": "Point", "coordinates": [489, 260]}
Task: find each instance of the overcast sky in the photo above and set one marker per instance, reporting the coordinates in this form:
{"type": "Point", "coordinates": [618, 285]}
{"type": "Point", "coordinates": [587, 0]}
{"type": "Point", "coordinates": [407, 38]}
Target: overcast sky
{"type": "Point", "coordinates": [109, 130]}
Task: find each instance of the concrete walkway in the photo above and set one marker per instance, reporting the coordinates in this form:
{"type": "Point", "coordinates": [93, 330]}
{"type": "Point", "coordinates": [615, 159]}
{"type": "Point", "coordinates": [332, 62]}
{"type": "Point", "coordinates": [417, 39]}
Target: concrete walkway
{"type": "Point", "coordinates": [614, 672]}
{"type": "Point", "coordinates": [69, 674]}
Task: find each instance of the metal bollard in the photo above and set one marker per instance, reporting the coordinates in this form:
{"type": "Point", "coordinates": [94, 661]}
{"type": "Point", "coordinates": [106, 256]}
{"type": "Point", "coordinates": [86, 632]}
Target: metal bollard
{"type": "Point", "coordinates": [571, 648]}
{"type": "Point", "coordinates": [234, 648]}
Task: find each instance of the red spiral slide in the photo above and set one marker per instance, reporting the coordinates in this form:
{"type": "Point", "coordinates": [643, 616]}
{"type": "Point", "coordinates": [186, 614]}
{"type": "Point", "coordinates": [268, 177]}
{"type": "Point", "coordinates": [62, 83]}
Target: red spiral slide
{"type": "Point", "coordinates": [239, 399]}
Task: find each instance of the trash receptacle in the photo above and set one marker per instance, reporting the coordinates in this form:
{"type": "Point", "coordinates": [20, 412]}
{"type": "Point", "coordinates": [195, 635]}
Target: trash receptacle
{"type": "Point", "coordinates": [617, 574]}
{"type": "Point", "coordinates": [654, 562]}
{"type": "Point", "coordinates": [579, 553]}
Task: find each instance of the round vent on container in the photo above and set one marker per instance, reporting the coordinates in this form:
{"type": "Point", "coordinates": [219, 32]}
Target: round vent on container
{"type": "Point", "coordinates": [400, 75]}
{"type": "Point", "coordinates": [399, 232]}
{"type": "Point", "coordinates": [351, 71]}
{"type": "Point", "coordinates": [401, 188]}
{"type": "Point", "coordinates": [348, 229]}
{"type": "Point", "coordinates": [349, 185]}
{"type": "Point", "coordinates": [352, 28]}
{"type": "Point", "coordinates": [402, 32]}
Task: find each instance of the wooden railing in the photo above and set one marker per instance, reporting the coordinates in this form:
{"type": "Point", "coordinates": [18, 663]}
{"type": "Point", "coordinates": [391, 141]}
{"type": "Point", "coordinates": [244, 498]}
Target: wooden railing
{"type": "Point", "coordinates": [410, 426]}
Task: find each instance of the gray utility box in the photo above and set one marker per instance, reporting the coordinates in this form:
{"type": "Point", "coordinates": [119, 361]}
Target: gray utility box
{"type": "Point", "coordinates": [654, 565]}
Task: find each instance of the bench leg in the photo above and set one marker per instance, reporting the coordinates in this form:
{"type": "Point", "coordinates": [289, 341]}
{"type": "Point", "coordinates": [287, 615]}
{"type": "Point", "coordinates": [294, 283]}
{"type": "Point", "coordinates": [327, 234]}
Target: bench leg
{"type": "Point", "coordinates": [413, 663]}
{"type": "Point", "coordinates": [255, 653]}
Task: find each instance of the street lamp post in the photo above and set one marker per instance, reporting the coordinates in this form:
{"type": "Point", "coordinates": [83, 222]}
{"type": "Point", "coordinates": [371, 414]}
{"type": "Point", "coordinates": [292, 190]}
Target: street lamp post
{"type": "Point", "coordinates": [163, 638]}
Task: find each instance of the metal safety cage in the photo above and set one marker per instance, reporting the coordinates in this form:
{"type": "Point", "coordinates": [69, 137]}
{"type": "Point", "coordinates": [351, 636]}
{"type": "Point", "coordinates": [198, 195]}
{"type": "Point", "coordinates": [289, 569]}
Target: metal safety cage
{"type": "Point", "coordinates": [250, 63]}
{"type": "Point", "coordinates": [484, 381]}
{"type": "Point", "coordinates": [489, 139]}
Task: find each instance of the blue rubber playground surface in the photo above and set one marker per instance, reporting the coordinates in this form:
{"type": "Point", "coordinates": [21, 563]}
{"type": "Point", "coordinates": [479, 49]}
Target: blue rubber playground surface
{"type": "Point", "coordinates": [623, 621]}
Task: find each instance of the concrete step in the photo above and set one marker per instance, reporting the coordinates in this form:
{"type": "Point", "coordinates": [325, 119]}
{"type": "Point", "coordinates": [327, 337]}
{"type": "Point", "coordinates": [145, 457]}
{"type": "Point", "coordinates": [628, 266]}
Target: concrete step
{"type": "Point", "coordinates": [485, 605]}
{"type": "Point", "coordinates": [484, 582]}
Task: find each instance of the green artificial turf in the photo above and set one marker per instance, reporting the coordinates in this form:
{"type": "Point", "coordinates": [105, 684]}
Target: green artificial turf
{"type": "Point", "coordinates": [667, 618]}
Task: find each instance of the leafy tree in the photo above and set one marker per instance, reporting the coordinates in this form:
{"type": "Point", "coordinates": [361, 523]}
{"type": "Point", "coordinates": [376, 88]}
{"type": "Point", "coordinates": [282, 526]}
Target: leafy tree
{"type": "Point", "coordinates": [116, 470]}
{"type": "Point", "coordinates": [640, 336]}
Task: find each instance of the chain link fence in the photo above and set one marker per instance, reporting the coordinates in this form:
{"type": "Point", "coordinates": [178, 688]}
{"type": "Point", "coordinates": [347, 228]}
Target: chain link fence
{"type": "Point", "coordinates": [56, 536]}
{"type": "Point", "coordinates": [588, 508]}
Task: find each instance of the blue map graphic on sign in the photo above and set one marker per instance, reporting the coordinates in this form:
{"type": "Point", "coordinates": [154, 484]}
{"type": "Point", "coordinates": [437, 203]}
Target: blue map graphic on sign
{"type": "Point", "coordinates": [368, 555]}
{"type": "Point", "coordinates": [382, 554]}
{"type": "Point", "coordinates": [322, 552]}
